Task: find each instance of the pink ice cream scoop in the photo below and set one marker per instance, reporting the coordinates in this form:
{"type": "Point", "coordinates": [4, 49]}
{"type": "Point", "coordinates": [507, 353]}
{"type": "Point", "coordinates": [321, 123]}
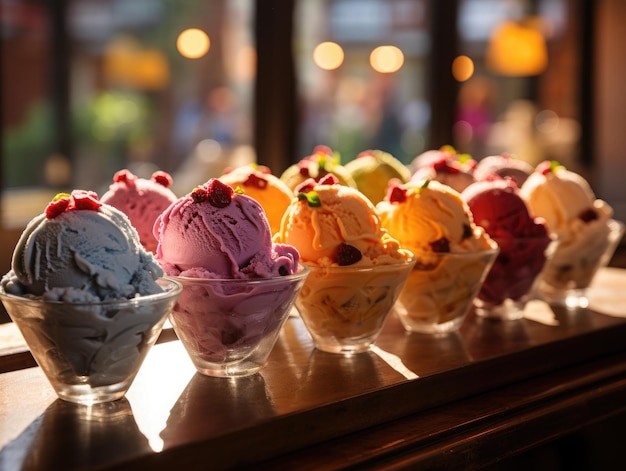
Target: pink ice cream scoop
{"type": "Point", "coordinates": [497, 206]}
{"type": "Point", "coordinates": [214, 232]}
{"type": "Point", "coordinates": [142, 200]}
{"type": "Point", "coordinates": [238, 286]}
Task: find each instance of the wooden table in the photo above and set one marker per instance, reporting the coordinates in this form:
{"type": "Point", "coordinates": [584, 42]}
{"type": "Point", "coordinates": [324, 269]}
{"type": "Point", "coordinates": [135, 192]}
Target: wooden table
{"type": "Point", "coordinates": [463, 400]}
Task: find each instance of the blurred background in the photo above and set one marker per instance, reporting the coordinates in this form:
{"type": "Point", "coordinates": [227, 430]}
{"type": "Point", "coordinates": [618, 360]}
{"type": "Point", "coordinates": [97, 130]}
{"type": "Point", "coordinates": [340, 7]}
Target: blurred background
{"type": "Point", "coordinates": [193, 86]}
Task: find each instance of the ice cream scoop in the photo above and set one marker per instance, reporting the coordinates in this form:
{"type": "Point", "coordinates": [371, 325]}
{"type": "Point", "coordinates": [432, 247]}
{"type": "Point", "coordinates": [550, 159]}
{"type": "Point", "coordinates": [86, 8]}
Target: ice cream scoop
{"type": "Point", "coordinates": [317, 165]}
{"type": "Point", "coordinates": [258, 182]}
{"type": "Point", "coordinates": [523, 239]}
{"type": "Point", "coordinates": [503, 165]}
{"type": "Point", "coordinates": [585, 235]}
{"type": "Point", "coordinates": [81, 249]}
{"type": "Point", "coordinates": [453, 253]}
{"type": "Point", "coordinates": [214, 232]}
{"type": "Point", "coordinates": [142, 200]}
{"type": "Point", "coordinates": [332, 224]}
{"type": "Point", "coordinates": [238, 286]}
{"type": "Point", "coordinates": [444, 165]}
{"type": "Point", "coordinates": [373, 169]}
{"type": "Point", "coordinates": [357, 269]}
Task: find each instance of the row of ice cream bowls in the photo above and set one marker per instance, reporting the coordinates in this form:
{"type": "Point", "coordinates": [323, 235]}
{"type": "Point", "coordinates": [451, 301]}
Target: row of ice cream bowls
{"type": "Point", "coordinates": [94, 279]}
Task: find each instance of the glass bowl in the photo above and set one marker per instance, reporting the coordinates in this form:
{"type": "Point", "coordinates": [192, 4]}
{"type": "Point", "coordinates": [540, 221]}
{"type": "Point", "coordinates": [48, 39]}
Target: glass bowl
{"type": "Point", "coordinates": [573, 263]}
{"type": "Point", "coordinates": [508, 285]}
{"type": "Point", "coordinates": [229, 326]}
{"type": "Point", "coordinates": [440, 290]}
{"type": "Point", "coordinates": [91, 352]}
{"type": "Point", "coordinates": [344, 307]}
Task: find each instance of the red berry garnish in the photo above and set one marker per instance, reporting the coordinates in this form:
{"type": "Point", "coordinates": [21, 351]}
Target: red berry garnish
{"type": "Point", "coordinates": [329, 179]}
{"type": "Point", "coordinates": [441, 245]}
{"type": "Point", "coordinates": [304, 171]}
{"type": "Point", "coordinates": [446, 166]}
{"type": "Point", "coordinates": [57, 206]}
{"type": "Point", "coordinates": [81, 199]}
{"type": "Point", "coordinates": [348, 254]}
{"type": "Point", "coordinates": [588, 215]}
{"type": "Point", "coordinates": [547, 166]}
{"type": "Point", "coordinates": [162, 178]}
{"type": "Point", "coordinates": [219, 194]}
{"type": "Point", "coordinates": [124, 176]}
{"type": "Point", "coordinates": [305, 186]}
{"type": "Point", "coordinates": [256, 181]}
{"type": "Point", "coordinates": [396, 194]}
{"type": "Point", "coordinates": [199, 194]}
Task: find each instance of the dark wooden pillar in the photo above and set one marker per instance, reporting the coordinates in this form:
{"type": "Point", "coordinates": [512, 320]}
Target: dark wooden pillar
{"type": "Point", "coordinates": [442, 87]}
{"type": "Point", "coordinates": [275, 125]}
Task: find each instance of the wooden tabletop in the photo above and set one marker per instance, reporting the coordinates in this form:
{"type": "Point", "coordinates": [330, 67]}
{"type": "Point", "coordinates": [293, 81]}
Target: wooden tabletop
{"type": "Point", "coordinates": [492, 389]}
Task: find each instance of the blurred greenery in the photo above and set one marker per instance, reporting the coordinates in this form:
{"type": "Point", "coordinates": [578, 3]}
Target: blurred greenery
{"type": "Point", "coordinates": [105, 129]}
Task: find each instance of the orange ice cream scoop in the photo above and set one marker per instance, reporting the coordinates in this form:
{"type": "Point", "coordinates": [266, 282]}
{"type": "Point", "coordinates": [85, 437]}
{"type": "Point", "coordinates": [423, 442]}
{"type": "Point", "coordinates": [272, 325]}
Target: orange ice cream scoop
{"type": "Point", "coordinates": [332, 224]}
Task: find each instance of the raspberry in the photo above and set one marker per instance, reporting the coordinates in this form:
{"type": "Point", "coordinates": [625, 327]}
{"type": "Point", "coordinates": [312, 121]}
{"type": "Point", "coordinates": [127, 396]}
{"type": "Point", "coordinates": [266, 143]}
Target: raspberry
{"type": "Point", "coordinates": [81, 199]}
{"type": "Point", "coordinates": [162, 178]}
{"type": "Point", "coordinates": [396, 194]}
{"type": "Point", "coordinates": [256, 181]}
{"type": "Point", "coordinates": [441, 245]}
{"type": "Point", "coordinates": [348, 254]}
{"type": "Point", "coordinates": [329, 179]}
{"type": "Point", "coordinates": [305, 186]}
{"type": "Point", "coordinates": [446, 166]}
{"type": "Point", "coordinates": [199, 194]}
{"type": "Point", "coordinates": [57, 206]}
{"type": "Point", "coordinates": [219, 194]}
{"type": "Point", "coordinates": [124, 176]}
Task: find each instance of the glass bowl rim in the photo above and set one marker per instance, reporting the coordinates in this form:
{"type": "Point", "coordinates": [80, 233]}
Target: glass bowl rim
{"type": "Point", "coordinates": [464, 254]}
{"type": "Point", "coordinates": [171, 287]}
{"type": "Point", "coordinates": [303, 271]}
{"type": "Point", "coordinates": [365, 268]}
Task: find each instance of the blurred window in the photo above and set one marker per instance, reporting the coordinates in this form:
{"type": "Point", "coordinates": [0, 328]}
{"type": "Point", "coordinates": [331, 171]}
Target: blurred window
{"type": "Point", "coordinates": [93, 86]}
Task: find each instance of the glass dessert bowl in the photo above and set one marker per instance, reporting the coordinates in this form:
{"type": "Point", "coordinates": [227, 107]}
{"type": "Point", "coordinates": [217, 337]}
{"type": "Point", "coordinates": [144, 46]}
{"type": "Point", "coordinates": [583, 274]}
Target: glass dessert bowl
{"type": "Point", "coordinates": [571, 266]}
{"type": "Point", "coordinates": [90, 352]}
{"type": "Point", "coordinates": [441, 288]}
{"type": "Point", "coordinates": [229, 326]}
{"type": "Point", "coordinates": [508, 285]}
{"type": "Point", "coordinates": [344, 307]}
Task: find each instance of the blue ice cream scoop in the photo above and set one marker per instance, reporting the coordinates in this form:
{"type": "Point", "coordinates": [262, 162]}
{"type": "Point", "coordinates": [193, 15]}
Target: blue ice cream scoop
{"type": "Point", "coordinates": [81, 249]}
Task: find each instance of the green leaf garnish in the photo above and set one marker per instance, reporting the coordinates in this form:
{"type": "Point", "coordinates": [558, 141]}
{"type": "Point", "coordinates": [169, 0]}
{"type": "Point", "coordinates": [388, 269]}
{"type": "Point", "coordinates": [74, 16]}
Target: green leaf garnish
{"type": "Point", "coordinates": [239, 190]}
{"type": "Point", "coordinates": [311, 198]}
{"type": "Point", "coordinates": [463, 158]}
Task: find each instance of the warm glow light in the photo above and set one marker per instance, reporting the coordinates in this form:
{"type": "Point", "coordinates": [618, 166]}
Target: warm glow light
{"type": "Point", "coordinates": [193, 43]}
{"type": "Point", "coordinates": [128, 63]}
{"type": "Point", "coordinates": [386, 59]}
{"type": "Point", "coordinates": [462, 68]}
{"type": "Point", "coordinates": [328, 55]}
{"type": "Point", "coordinates": [517, 50]}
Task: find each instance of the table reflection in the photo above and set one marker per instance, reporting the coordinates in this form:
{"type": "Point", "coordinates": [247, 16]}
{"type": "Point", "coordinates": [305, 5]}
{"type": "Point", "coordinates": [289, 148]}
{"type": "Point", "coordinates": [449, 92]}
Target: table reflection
{"type": "Point", "coordinates": [84, 437]}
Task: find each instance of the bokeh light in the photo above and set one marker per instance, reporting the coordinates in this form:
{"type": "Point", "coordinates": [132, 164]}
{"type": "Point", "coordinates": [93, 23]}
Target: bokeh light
{"type": "Point", "coordinates": [193, 43]}
{"type": "Point", "coordinates": [386, 59]}
{"type": "Point", "coordinates": [462, 68]}
{"type": "Point", "coordinates": [328, 55]}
